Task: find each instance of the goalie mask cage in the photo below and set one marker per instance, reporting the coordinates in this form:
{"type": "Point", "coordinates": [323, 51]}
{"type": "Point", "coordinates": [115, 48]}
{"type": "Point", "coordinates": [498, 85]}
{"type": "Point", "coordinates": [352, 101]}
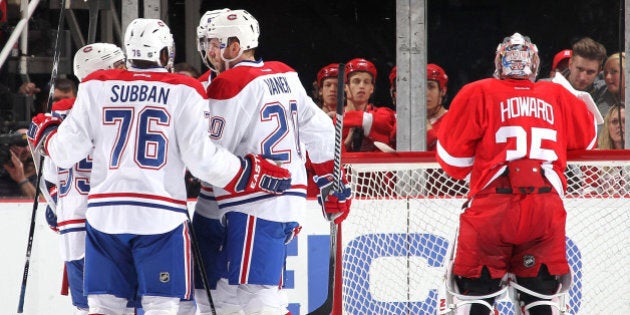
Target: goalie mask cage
{"type": "Point", "coordinates": [405, 213]}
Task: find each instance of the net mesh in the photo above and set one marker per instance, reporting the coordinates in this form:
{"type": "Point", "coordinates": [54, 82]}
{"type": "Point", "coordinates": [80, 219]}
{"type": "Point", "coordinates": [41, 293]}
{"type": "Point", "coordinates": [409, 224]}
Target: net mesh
{"type": "Point", "coordinates": [404, 216]}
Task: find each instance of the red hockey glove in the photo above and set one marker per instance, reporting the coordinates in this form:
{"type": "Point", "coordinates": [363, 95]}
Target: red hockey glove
{"type": "Point", "coordinates": [41, 128]}
{"type": "Point", "coordinates": [258, 174]}
{"type": "Point", "coordinates": [335, 204]}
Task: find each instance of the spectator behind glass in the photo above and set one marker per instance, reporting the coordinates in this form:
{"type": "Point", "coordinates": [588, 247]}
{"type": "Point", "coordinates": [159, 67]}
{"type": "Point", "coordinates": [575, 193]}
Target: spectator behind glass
{"type": "Point", "coordinates": [18, 178]}
{"type": "Point", "coordinates": [609, 180]}
{"type": "Point", "coordinates": [365, 124]}
{"type": "Point", "coordinates": [327, 88]}
{"type": "Point", "coordinates": [560, 62]}
{"type": "Point", "coordinates": [437, 82]}
{"type": "Point", "coordinates": [584, 66]}
{"type": "Point", "coordinates": [614, 78]}
{"type": "Point", "coordinates": [611, 135]}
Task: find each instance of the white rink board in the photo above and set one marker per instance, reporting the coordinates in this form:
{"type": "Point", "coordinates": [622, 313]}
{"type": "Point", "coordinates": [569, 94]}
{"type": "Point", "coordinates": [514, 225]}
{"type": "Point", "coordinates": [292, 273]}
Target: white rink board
{"type": "Point", "coordinates": [44, 282]}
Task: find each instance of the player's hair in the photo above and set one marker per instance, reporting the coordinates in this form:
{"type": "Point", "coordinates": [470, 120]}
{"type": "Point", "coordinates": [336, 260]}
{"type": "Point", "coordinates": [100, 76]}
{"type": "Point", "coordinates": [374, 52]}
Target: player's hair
{"type": "Point", "coordinates": [588, 48]}
{"type": "Point", "coordinates": [66, 85]}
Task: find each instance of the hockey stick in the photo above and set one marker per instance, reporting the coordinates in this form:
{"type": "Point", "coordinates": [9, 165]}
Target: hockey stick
{"type": "Point", "coordinates": [31, 232]}
{"type": "Point", "coordinates": [200, 264]}
{"type": "Point", "coordinates": [332, 304]}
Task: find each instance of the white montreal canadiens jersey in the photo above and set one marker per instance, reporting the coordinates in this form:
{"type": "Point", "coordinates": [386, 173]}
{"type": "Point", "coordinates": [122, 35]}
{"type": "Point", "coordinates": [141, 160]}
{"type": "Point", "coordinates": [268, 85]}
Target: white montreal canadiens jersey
{"type": "Point", "coordinates": [73, 186]}
{"type": "Point", "coordinates": [262, 108]}
{"type": "Point", "coordinates": [145, 129]}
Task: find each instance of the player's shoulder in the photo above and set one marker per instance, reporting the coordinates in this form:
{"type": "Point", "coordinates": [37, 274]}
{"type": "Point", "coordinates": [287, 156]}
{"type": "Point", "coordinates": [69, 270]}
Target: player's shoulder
{"type": "Point", "coordinates": [166, 78]}
{"type": "Point", "coordinates": [104, 75]}
{"type": "Point", "coordinates": [483, 83]}
{"type": "Point", "coordinates": [231, 82]}
{"type": "Point", "coordinates": [205, 76]}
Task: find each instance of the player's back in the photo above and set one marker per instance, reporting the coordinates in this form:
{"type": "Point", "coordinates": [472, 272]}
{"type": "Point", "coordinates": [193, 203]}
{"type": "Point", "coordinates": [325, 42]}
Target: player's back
{"type": "Point", "coordinates": [136, 121]}
{"type": "Point", "coordinates": [258, 108]}
{"type": "Point", "coordinates": [497, 121]}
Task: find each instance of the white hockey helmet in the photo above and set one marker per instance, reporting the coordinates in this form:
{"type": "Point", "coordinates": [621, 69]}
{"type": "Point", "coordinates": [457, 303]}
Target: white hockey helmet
{"type": "Point", "coordinates": [97, 56]}
{"type": "Point", "coordinates": [516, 58]}
{"type": "Point", "coordinates": [146, 38]}
{"type": "Point", "coordinates": [202, 30]}
{"type": "Point", "coordinates": [235, 23]}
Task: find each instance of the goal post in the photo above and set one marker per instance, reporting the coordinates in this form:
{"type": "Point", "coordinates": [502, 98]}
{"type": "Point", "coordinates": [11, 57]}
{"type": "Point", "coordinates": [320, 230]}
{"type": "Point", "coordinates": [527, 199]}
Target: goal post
{"type": "Point", "coordinates": [405, 213]}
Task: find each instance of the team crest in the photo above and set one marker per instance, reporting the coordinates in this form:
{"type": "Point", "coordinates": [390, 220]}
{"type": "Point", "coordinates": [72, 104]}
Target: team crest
{"type": "Point", "coordinates": [165, 277]}
{"type": "Point", "coordinates": [529, 261]}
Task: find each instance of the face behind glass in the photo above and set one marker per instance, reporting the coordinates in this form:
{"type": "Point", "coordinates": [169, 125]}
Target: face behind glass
{"type": "Point", "coordinates": [611, 75]}
{"type": "Point", "coordinates": [614, 128]}
{"type": "Point", "coordinates": [328, 91]}
{"type": "Point", "coordinates": [434, 95]}
{"type": "Point", "coordinates": [583, 72]}
{"type": "Point", "coordinates": [359, 87]}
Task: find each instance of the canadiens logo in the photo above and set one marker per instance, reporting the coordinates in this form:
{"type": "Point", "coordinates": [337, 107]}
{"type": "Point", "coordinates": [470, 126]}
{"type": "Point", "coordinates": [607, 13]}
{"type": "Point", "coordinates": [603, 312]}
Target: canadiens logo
{"type": "Point", "coordinates": [165, 277]}
{"type": "Point", "coordinates": [87, 49]}
{"type": "Point", "coordinates": [529, 261]}
{"type": "Point", "coordinates": [232, 17]}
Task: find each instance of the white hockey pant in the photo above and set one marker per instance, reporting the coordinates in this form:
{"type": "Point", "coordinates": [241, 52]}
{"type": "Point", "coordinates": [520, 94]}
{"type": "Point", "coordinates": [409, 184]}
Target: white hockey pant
{"type": "Point", "coordinates": [108, 304]}
{"type": "Point", "coordinates": [244, 299]}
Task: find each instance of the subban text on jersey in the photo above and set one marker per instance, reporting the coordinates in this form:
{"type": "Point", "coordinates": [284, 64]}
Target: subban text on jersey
{"type": "Point", "coordinates": [139, 93]}
{"type": "Point", "coordinates": [277, 84]}
{"type": "Point", "coordinates": [526, 106]}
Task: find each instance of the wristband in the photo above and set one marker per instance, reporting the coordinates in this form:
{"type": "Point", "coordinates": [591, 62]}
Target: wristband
{"type": "Point", "coordinates": [22, 182]}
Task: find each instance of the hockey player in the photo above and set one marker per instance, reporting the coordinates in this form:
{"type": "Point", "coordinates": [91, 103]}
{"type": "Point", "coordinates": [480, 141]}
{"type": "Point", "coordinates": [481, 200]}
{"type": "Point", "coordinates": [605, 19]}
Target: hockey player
{"type": "Point", "coordinates": [510, 137]}
{"type": "Point", "coordinates": [327, 88]}
{"type": "Point", "coordinates": [73, 184]}
{"type": "Point", "coordinates": [364, 123]}
{"type": "Point", "coordinates": [143, 127]}
{"type": "Point", "coordinates": [282, 123]}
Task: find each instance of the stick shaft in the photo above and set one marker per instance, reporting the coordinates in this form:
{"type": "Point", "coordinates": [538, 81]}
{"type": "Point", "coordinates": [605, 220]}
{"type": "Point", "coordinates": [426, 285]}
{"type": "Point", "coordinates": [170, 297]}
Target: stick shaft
{"type": "Point", "coordinates": [31, 232]}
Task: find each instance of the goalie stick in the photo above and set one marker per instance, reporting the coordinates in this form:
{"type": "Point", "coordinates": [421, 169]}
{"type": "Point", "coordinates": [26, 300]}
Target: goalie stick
{"type": "Point", "coordinates": [332, 304]}
{"type": "Point", "coordinates": [31, 232]}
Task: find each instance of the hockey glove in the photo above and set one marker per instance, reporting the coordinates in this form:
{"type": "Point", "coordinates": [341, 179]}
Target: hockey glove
{"type": "Point", "coordinates": [335, 204]}
{"type": "Point", "coordinates": [51, 216]}
{"type": "Point", "coordinates": [41, 128]}
{"type": "Point", "coordinates": [258, 174]}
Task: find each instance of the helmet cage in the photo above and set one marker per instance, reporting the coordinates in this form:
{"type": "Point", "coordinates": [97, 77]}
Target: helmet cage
{"type": "Point", "coordinates": [97, 56]}
{"type": "Point", "coordinates": [517, 58]}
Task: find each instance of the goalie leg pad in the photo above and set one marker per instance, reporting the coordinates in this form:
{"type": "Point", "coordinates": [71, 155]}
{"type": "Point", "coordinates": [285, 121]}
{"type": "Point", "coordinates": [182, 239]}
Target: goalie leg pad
{"type": "Point", "coordinates": [543, 284]}
{"type": "Point", "coordinates": [481, 286]}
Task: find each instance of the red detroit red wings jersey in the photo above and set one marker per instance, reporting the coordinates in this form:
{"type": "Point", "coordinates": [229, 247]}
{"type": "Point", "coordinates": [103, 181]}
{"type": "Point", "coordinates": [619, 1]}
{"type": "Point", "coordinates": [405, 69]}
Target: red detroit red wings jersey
{"type": "Point", "coordinates": [491, 122]}
{"type": "Point", "coordinates": [261, 107]}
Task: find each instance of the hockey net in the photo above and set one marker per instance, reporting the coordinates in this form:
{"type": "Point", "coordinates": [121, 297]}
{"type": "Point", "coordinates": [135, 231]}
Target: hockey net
{"type": "Point", "coordinates": [405, 213]}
